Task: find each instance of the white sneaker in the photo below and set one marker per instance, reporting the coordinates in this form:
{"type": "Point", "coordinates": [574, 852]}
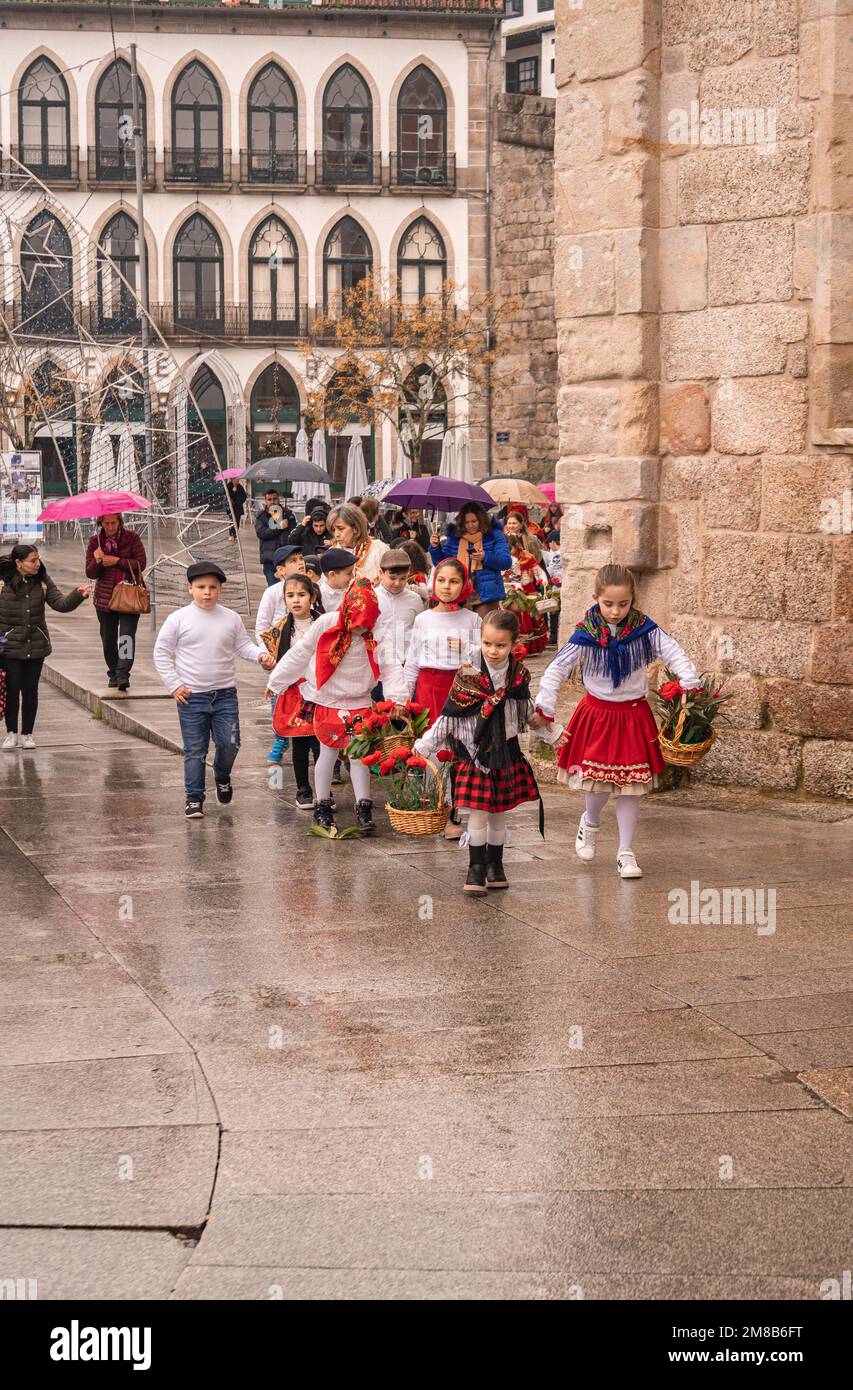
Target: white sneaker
{"type": "Point", "coordinates": [28, 741]}
{"type": "Point", "coordinates": [626, 863]}
{"type": "Point", "coordinates": [9, 742]}
{"type": "Point", "coordinates": [585, 839]}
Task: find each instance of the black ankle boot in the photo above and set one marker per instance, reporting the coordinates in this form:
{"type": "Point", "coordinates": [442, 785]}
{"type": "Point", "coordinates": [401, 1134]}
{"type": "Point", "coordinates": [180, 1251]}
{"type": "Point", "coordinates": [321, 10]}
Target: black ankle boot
{"type": "Point", "coordinates": [476, 880]}
{"type": "Point", "coordinates": [495, 876]}
{"type": "Point", "coordinates": [324, 818]}
{"type": "Point", "coordinates": [364, 815]}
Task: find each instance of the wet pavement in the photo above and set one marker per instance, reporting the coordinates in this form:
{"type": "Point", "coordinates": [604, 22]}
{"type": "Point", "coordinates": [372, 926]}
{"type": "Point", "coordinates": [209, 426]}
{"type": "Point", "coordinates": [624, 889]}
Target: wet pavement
{"type": "Point", "coordinates": [240, 1062]}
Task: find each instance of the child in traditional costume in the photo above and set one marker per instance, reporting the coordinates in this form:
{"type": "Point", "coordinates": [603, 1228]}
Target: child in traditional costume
{"type": "Point", "coordinates": [442, 638]}
{"type": "Point", "coordinates": [340, 662]}
{"type": "Point", "coordinates": [526, 577]}
{"type": "Point", "coordinates": [487, 708]}
{"type": "Point", "coordinates": [293, 715]}
{"type": "Point", "coordinates": [611, 743]}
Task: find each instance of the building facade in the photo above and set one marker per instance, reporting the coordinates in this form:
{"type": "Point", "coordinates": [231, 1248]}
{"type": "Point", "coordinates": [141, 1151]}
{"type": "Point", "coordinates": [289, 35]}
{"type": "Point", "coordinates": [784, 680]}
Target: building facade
{"type": "Point", "coordinates": [529, 48]}
{"type": "Point", "coordinates": [289, 151]}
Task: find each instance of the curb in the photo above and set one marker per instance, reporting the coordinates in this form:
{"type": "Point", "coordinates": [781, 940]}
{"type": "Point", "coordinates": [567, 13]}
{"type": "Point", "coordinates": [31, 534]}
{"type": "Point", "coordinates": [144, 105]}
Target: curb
{"type": "Point", "coordinates": [111, 712]}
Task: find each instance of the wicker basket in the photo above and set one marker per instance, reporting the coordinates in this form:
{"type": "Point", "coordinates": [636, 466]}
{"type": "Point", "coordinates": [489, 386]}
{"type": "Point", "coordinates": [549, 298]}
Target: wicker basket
{"type": "Point", "coordinates": [429, 821]}
{"type": "Point", "coordinates": [404, 740]}
{"type": "Point", "coordinates": [683, 754]}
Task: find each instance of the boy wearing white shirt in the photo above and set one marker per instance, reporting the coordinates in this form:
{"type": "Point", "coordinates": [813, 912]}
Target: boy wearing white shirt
{"type": "Point", "coordinates": [338, 567]}
{"type": "Point", "coordinates": [288, 559]}
{"type": "Point", "coordinates": [194, 655]}
{"type": "Point", "coordinates": [399, 604]}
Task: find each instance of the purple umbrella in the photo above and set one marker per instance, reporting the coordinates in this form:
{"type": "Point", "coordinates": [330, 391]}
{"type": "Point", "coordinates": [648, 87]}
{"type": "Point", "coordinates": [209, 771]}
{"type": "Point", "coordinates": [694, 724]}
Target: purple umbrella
{"type": "Point", "coordinates": [438, 494]}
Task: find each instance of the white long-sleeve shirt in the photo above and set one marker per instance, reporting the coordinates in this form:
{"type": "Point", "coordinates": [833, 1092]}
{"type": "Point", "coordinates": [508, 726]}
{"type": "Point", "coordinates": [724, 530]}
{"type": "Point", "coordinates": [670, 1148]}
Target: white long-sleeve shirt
{"type": "Point", "coordinates": [349, 686]}
{"type": "Point", "coordinates": [332, 598]}
{"type": "Point", "coordinates": [442, 641]}
{"type": "Point", "coordinates": [197, 647]}
{"type": "Point", "coordinates": [633, 687]}
{"type": "Point", "coordinates": [397, 617]}
{"type": "Point", "coordinates": [271, 607]}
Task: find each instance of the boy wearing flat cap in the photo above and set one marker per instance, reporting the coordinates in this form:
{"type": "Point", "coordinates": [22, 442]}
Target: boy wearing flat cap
{"type": "Point", "coordinates": [194, 655]}
{"type": "Point", "coordinates": [338, 567]}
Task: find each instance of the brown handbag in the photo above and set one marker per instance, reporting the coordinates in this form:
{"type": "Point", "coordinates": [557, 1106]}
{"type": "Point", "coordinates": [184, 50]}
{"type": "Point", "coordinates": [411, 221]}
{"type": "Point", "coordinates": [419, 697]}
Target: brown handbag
{"type": "Point", "coordinates": [130, 596]}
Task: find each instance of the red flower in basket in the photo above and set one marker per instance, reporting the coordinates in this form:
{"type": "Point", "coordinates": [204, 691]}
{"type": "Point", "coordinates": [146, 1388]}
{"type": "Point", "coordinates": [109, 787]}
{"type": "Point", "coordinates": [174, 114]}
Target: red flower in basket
{"type": "Point", "coordinates": [444, 755]}
{"type": "Point", "coordinates": [386, 766]}
{"type": "Point", "coordinates": [416, 761]}
{"type": "Point", "coordinates": [384, 706]}
{"type": "Point", "coordinates": [372, 759]}
{"type": "Point", "coordinates": [395, 754]}
{"type": "Point", "coordinates": [671, 690]}
{"type": "Point", "coordinates": [519, 651]}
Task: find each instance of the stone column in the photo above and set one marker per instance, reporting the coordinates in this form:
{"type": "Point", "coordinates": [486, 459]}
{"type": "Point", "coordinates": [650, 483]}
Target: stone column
{"type": "Point", "coordinates": [477, 187]}
{"type": "Point", "coordinates": [606, 287]}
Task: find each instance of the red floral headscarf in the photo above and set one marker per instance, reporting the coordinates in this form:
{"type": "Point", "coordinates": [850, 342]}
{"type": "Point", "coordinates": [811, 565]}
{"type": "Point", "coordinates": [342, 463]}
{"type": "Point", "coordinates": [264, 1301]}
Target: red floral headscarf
{"type": "Point", "coordinates": [467, 587]}
{"type": "Point", "coordinates": [360, 608]}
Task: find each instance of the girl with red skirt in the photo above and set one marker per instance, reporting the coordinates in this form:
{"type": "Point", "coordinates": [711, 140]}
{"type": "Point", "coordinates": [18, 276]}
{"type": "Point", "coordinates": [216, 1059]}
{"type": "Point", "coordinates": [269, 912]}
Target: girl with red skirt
{"type": "Point", "coordinates": [443, 637]}
{"type": "Point", "coordinates": [293, 715]}
{"type": "Point", "coordinates": [611, 743]}
{"type": "Point", "coordinates": [526, 576]}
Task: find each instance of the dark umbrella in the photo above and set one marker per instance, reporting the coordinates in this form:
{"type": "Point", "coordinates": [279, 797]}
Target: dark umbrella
{"type": "Point", "coordinates": [438, 494]}
{"type": "Point", "coordinates": [285, 469]}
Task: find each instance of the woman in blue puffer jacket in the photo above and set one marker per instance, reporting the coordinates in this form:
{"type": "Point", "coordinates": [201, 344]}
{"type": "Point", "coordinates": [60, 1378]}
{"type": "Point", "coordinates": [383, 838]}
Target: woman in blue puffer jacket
{"type": "Point", "coordinates": [480, 544]}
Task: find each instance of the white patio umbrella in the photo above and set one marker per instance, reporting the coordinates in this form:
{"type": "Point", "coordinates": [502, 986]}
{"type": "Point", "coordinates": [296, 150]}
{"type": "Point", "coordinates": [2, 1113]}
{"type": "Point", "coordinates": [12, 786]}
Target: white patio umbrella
{"type": "Point", "coordinates": [318, 456]}
{"type": "Point", "coordinates": [356, 470]}
{"type": "Point", "coordinates": [404, 463]}
{"type": "Point", "coordinates": [102, 473]}
{"type": "Point", "coordinates": [127, 476]}
{"type": "Point", "coordinates": [302, 490]}
{"type": "Point", "coordinates": [448, 456]}
{"type": "Point", "coordinates": [463, 471]}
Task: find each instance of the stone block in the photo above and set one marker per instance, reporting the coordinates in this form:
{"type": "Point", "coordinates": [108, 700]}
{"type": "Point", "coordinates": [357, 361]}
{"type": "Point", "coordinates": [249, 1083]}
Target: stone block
{"type": "Point", "coordinates": [750, 261]}
{"type": "Point", "coordinates": [608, 480]}
{"type": "Point", "coordinates": [804, 493]}
{"type": "Point", "coordinates": [743, 575]}
{"type": "Point", "coordinates": [767, 760]}
{"type": "Point", "coordinates": [589, 419]}
{"type": "Point", "coordinates": [810, 61]}
{"type": "Point", "coordinates": [808, 579]}
{"type": "Point", "coordinates": [798, 361]}
{"type": "Point", "coordinates": [769, 87]}
{"type": "Point", "coordinates": [698, 637]}
{"type": "Point", "coordinates": [682, 479]}
{"type": "Point", "coordinates": [597, 348]}
{"type": "Point", "coordinates": [758, 413]}
{"type": "Point", "coordinates": [828, 768]}
{"type": "Point", "coordinates": [635, 535]}
{"type": "Point", "coordinates": [580, 131]}
{"type": "Point", "coordinates": [832, 654]}
{"type": "Point", "coordinates": [731, 497]}
{"type": "Point", "coordinates": [668, 192]}
{"type": "Point", "coordinates": [689, 540]}
{"type": "Point", "coordinates": [668, 542]}
{"type": "Point", "coordinates": [602, 38]}
{"type": "Point", "coordinates": [678, 91]}
{"type": "Point", "coordinates": [764, 648]}
{"type": "Point", "coordinates": [653, 596]}
{"type": "Point", "coordinates": [816, 711]}
{"type": "Point", "coordinates": [748, 340]}
{"type": "Point", "coordinates": [612, 193]}
{"type": "Point", "coordinates": [776, 26]}
{"type": "Point", "coordinates": [745, 709]}
{"type": "Point", "coordinates": [683, 591]}
{"type": "Point", "coordinates": [736, 183]}
{"type": "Point", "coordinates": [637, 287]}
{"type": "Point", "coordinates": [632, 118]}
{"type": "Point", "coordinates": [685, 420]}
{"type": "Point", "coordinates": [842, 577]}
{"type": "Point", "coordinates": [584, 275]}
{"type": "Point", "coordinates": [683, 268]}
{"type": "Point", "coordinates": [639, 427]}
{"type": "Point", "coordinates": [684, 20]}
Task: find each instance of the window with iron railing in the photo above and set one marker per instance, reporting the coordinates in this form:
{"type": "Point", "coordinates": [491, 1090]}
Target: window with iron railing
{"type": "Point", "coordinates": [197, 154]}
{"type": "Point", "coordinates": [44, 121]}
{"type": "Point", "coordinates": [347, 129]}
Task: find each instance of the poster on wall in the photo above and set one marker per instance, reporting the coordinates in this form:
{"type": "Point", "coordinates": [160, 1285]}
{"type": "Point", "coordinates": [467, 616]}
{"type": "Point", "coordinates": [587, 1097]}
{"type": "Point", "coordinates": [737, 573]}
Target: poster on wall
{"type": "Point", "coordinates": [21, 496]}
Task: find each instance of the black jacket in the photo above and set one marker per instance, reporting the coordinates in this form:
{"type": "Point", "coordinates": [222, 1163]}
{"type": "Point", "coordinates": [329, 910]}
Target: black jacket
{"type": "Point", "coordinates": [271, 537]}
{"type": "Point", "coordinates": [307, 539]}
{"type": "Point", "coordinates": [23, 599]}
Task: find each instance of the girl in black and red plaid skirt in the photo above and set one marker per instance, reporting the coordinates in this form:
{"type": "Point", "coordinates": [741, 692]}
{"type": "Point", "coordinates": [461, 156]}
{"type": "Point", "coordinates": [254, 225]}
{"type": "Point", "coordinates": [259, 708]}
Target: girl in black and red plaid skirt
{"type": "Point", "coordinates": [486, 710]}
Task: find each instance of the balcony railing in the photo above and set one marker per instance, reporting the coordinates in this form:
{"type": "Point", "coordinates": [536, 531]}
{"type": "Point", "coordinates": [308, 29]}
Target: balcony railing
{"type": "Point", "coordinates": [197, 166]}
{"type": "Point", "coordinates": [118, 166]}
{"type": "Point", "coordinates": [471, 6]}
{"type": "Point", "coordinates": [51, 163]}
{"type": "Point", "coordinates": [431, 171]}
{"type": "Point", "coordinates": [245, 322]}
{"type": "Point", "coordinates": [347, 168]}
{"type": "Point", "coordinates": [273, 167]}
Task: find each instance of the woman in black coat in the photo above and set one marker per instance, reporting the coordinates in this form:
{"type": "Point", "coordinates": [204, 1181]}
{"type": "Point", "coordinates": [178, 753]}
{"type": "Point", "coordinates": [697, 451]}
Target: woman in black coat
{"type": "Point", "coordinates": [27, 590]}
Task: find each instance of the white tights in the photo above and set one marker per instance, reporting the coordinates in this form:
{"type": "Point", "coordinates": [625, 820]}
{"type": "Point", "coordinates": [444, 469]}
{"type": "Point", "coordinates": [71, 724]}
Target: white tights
{"type": "Point", "coordinates": [485, 829]}
{"type": "Point", "coordinates": [627, 811]}
{"type": "Point", "coordinates": [325, 766]}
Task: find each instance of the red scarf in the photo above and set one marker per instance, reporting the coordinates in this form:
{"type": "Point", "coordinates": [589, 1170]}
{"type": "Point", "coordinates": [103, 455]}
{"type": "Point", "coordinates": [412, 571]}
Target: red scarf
{"type": "Point", "coordinates": [360, 608]}
{"type": "Point", "coordinates": [467, 590]}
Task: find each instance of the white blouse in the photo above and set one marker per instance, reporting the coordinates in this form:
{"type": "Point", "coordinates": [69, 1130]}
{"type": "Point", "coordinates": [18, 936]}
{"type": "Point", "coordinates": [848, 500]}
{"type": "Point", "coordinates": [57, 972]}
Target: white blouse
{"type": "Point", "coordinates": [633, 687]}
{"type": "Point", "coordinates": [516, 714]}
{"type": "Point", "coordinates": [443, 641]}
{"type": "Point", "coordinates": [349, 686]}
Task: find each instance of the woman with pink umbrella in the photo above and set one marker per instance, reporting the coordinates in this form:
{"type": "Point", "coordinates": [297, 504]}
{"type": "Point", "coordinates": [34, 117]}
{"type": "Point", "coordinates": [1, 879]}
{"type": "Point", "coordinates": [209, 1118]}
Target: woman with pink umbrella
{"type": "Point", "coordinates": [115, 555]}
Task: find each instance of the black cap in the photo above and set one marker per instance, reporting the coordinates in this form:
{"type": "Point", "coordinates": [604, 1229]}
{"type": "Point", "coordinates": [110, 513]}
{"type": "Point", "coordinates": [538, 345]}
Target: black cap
{"type": "Point", "coordinates": [202, 568]}
{"type": "Point", "coordinates": [336, 559]}
{"type": "Point", "coordinates": [283, 553]}
{"type": "Point", "coordinates": [552, 536]}
{"type": "Point", "coordinates": [319, 513]}
{"type": "Point", "coordinates": [311, 562]}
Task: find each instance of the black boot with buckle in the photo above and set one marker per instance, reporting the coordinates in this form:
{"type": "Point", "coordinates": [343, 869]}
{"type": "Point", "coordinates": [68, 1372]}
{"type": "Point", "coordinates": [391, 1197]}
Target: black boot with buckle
{"type": "Point", "coordinates": [476, 880]}
{"type": "Point", "coordinates": [495, 876]}
{"type": "Point", "coordinates": [324, 818]}
{"type": "Point", "coordinates": [364, 815]}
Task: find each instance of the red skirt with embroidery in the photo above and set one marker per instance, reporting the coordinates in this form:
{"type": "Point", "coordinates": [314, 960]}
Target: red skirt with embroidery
{"type": "Point", "coordinates": [612, 741]}
{"type": "Point", "coordinates": [432, 689]}
{"type": "Point", "coordinates": [333, 727]}
{"type": "Point", "coordinates": [292, 716]}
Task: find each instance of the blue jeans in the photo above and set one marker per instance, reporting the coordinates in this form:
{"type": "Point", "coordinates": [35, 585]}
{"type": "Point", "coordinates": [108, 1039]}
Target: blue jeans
{"type": "Point", "coordinates": [269, 571]}
{"type": "Point", "coordinates": [212, 713]}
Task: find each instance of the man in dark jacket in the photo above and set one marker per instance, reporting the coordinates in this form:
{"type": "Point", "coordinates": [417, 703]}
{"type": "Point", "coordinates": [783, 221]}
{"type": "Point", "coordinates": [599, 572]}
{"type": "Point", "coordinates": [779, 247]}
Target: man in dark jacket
{"type": "Point", "coordinates": [273, 526]}
{"type": "Point", "coordinates": [312, 536]}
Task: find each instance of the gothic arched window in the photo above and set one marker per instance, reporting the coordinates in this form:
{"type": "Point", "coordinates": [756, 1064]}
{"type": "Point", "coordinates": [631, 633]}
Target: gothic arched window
{"type": "Point", "coordinates": [118, 310]}
{"type": "Point", "coordinates": [272, 128]}
{"type": "Point", "coordinates": [114, 152]}
{"type": "Point", "coordinates": [422, 129]}
{"type": "Point", "coordinates": [347, 128]}
{"type": "Point", "coordinates": [197, 126]}
{"type": "Point", "coordinates": [47, 278]}
{"type": "Point", "coordinates": [347, 259]}
{"type": "Point", "coordinates": [273, 279]}
{"type": "Point", "coordinates": [44, 121]}
{"type": "Point", "coordinates": [199, 272]}
{"type": "Point", "coordinates": [421, 264]}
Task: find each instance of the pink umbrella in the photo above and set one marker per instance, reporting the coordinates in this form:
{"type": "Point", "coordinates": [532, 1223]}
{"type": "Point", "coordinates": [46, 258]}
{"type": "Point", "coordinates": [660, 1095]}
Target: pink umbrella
{"type": "Point", "coordinates": [549, 489]}
{"type": "Point", "coordinates": [98, 503]}
{"type": "Point", "coordinates": [229, 473]}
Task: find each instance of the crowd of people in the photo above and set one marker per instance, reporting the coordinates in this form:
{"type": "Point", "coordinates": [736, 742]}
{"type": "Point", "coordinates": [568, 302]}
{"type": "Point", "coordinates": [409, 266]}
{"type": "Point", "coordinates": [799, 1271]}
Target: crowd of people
{"type": "Point", "coordinates": [364, 608]}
